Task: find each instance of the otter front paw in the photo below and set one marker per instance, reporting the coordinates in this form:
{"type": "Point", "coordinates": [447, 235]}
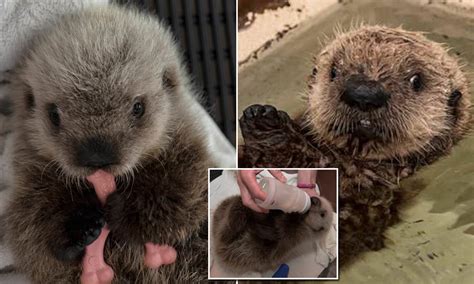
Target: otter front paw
{"type": "Point", "coordinates": [82, 228]}
{"type": "Point", "coordinates": [272, 139]}
{"type": "Point", "coordinates": [258, 119]}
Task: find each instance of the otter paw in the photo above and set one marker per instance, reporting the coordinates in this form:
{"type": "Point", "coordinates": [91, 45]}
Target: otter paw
{"type": "Point", "coordinates": [82, 228]}
{"type": "Point", "coordinates": [263, 118]}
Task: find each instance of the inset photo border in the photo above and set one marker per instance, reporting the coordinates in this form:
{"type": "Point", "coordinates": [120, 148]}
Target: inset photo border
{"type": "Point", "coordinates": [273, 224]}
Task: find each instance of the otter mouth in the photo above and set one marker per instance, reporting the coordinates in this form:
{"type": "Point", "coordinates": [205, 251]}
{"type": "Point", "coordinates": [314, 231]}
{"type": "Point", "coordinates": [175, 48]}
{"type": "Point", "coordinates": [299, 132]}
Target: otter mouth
{"type": "Point", "coordinates": [75, 171]}
{"type": "Point", "coordinates": [366, 130]}
{"type": "Point", "coordinates": [84, 172]}
{"type": "Point", "coordinates": [320, 229]}
{"type": "Point", "coordinates": [366, 123]}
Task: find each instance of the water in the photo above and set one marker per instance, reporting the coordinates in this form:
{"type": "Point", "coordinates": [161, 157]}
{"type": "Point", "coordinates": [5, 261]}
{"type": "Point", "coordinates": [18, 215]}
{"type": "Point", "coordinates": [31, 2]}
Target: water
{"type": "Point", "coordinates": [434, 242]}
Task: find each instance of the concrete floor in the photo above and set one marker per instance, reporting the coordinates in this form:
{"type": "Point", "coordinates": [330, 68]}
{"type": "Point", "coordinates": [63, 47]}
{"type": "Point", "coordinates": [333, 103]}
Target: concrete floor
{"type": "Point", "coordinates": [434, 242]}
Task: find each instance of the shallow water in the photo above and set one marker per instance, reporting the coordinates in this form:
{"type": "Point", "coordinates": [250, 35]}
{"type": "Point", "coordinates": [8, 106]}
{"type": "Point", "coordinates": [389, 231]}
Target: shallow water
{"type": "Point", "coordinates": [434, 242]}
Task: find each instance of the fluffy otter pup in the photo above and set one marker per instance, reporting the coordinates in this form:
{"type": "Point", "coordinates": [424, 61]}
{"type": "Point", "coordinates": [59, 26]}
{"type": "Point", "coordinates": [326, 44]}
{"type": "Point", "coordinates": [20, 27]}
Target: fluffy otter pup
{"type": "Point", "coordinates": [382, 103]}
{"type": "Point", "coordinates": [245, 240]}
{"type": "Point", "coordinates": [104, 89]}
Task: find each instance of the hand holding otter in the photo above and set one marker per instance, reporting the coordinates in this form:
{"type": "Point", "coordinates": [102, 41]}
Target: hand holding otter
{"type": "Point", "coordinates": [94, 268]}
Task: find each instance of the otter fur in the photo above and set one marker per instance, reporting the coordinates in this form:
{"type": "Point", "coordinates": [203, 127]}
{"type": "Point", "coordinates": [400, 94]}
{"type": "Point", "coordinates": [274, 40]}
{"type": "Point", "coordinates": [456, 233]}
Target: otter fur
{"type": "Point", "coordinates": [245, 240]}
{"type": "Point", "coordinates": [381, 103]}
{"type": "Point", "coordinates": [105, 88]}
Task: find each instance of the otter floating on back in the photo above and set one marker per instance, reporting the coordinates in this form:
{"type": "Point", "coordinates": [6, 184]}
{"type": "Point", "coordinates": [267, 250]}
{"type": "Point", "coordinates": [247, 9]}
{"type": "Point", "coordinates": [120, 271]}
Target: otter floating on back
{"type": "Point", "coordinates": [382, 102]}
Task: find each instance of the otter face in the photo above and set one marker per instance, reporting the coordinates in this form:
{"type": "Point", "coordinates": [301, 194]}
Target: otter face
{"type": "Point", "coordinates": [319, 216]}
{"type": "Point", "coordinates": [386, 93]}
{"type": "Point", "coordinates": [103, 126]}
{"type": "Point", "coordinates": [101, 99]}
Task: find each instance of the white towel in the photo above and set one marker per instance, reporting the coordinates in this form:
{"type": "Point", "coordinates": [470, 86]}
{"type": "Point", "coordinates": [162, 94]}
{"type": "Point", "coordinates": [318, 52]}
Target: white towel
{"type": "Point", "coordinates": [19, 19]}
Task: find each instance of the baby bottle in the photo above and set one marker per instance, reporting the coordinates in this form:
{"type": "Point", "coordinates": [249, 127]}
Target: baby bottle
{"type": "Point", "coordinates": [283, 196]}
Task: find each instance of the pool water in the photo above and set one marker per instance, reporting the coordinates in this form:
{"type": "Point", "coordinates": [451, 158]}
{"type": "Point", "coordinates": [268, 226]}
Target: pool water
{"type": "Point", "coordinates": [434, 242]}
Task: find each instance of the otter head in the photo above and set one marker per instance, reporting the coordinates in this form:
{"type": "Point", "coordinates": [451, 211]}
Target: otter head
{"type": "Point", "coordinates": [319, 217]}
{"type": "Point", "coordinates": [385, 93]}
{"type": "Point", "coordinates": [99, 92]}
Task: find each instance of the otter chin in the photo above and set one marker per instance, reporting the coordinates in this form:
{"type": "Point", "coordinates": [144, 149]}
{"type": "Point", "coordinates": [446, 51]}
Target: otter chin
{"type": "Point", "coordinates": [381, 103]}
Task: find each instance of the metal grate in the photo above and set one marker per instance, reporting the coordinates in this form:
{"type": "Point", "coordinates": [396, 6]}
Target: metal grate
{"type": "Point", "coordinates": [205, 30]}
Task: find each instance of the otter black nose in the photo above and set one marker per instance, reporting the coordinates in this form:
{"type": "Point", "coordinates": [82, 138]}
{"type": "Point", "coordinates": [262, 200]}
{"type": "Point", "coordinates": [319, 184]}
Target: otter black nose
{"type": "Point", "coordinates": [96, 152]}
{"type": "Point", "coordinates": [364, 94]}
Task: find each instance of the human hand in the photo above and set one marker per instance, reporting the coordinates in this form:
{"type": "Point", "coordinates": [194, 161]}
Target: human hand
{"type": "Point", "coordinates": [250, 189]}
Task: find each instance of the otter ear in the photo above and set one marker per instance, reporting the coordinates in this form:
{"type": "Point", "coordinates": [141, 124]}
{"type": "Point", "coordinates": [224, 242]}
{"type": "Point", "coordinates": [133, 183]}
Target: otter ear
{"type": "Point", "coordinates": [312, 77]}
{"type": "Point", "coordinates": [453, 102]}
{"type": "Point", "coordinates": [454, 98]}
{"type": "Point", "coordinates": [170, 79]}
{"type": "Point", "coordinates": [315, 201]}
{"type": "Point", "coordinates": [29, 98]}
{"type": "Point", "coordinates": [6, 105]}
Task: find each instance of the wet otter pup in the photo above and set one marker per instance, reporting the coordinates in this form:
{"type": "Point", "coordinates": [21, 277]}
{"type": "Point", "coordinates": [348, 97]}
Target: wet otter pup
{"type": "Point", "coordinates": [382, 102]}
{"type": "Point", "coordinates": [104, 90]}
{"type": "Point", "coordinates": [245, 240]}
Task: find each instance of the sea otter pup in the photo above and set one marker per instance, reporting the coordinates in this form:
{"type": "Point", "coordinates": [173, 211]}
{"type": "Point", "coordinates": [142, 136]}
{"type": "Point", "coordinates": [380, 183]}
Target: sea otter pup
{"type": "Point", "coordinates": [382, 102]}
{"type": "Point", "coordinates": [245, 240]}
{"type": "Point", "coordinates": [105, 89]}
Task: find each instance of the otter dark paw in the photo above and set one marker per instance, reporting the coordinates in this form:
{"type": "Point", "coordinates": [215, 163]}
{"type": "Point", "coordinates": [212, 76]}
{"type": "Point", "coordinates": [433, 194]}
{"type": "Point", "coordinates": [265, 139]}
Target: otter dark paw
{"type": "Point", "coordinates": [125, 227]}
{"type": "Point", "coordinates": [273, 139]}
{"type": "Point", "coordinates": [263, 118]}
{"type": "Point", "coordinates": [82, 228]}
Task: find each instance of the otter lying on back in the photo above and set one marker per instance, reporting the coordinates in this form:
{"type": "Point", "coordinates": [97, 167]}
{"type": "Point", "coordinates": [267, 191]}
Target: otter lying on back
{"type": "Point", "coordinates": [105, 89]}
{"type": "Point", "coordinates": [245, 240]}
{"type": "Point", "coordinates": [382, 103]}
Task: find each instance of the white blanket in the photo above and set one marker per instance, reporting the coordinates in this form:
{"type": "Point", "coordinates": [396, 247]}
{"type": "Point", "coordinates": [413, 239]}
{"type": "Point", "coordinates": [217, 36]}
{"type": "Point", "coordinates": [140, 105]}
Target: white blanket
{"type": "Point", "coordinates": [18, 21]}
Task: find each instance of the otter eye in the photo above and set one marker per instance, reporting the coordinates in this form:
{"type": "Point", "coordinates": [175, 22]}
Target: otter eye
{"type": "Point", "coordinates": [29, 99]}
{"type": "Point", "coordinates": [315, 71]}
{"type": "Point", "coordinates": [138, 109]}
{"type": "Point", "coordinates": [53, 114]}
{"type": "Point", "coordinates": [323, 214]}
{"type": "Point", "coordinates": [415, 82]}
{"type": "Point", "coordinates": [454, 98]}
{"type": "Point", "coordinates": [333, 73]}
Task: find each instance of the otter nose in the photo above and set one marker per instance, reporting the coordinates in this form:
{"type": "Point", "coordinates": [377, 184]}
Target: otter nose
{"type": "Point", "coordinates": [364, 94]}
{"type": "Point", "coordinates": [96, 152]}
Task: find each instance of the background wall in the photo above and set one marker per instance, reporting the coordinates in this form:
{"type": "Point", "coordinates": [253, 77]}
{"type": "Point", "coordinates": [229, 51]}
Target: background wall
{"type": "Point", "coordinates": [205, 29]}
{"type": "Point", "coordinates": [327, 182]}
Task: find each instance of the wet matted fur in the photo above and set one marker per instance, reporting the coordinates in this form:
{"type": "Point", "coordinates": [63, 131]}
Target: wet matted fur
{"type": "Point", "coordinates": [80, 79]}
{"type": "Point", "coordinates": [427, 112]}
